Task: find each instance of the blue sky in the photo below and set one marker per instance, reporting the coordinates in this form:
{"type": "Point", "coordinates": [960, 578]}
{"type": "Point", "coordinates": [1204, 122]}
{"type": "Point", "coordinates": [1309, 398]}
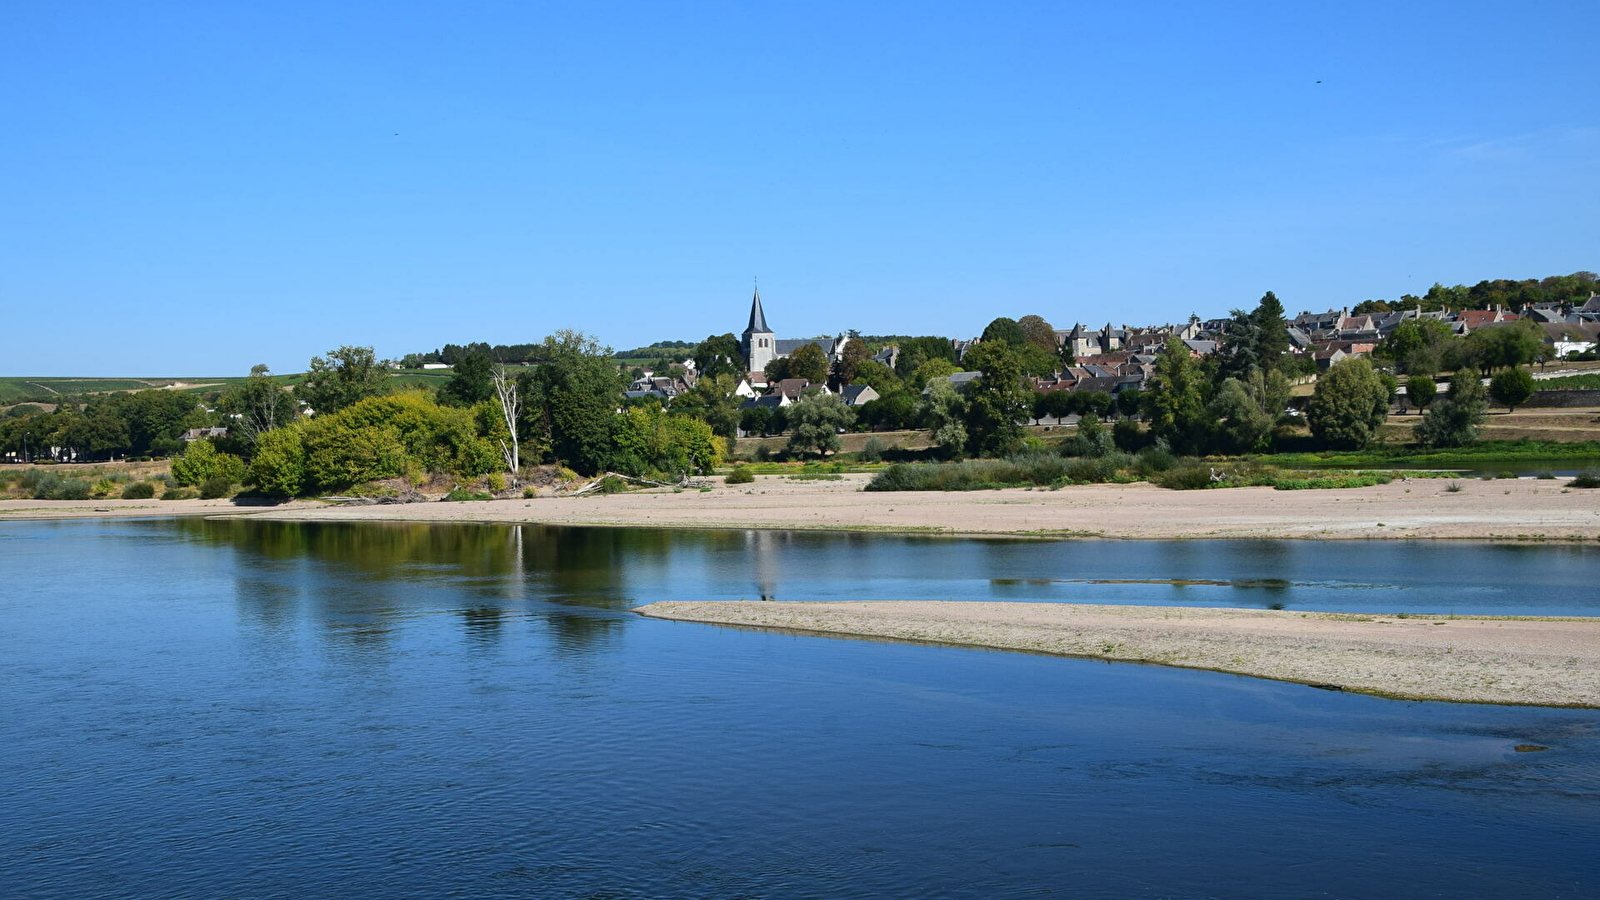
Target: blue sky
{"type": "Point", "coordinates": [192, 188]}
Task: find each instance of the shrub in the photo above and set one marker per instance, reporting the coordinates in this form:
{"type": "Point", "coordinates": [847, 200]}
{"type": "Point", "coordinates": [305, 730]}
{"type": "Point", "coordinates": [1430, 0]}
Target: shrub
{"type": "Point", "coordinates": [741, 475]}
{"type": "Point", "coordinates": [1155, 459]}
{"type": "Point", "coordinates": [496, 482]}
{"type": "Point", "coordinates": [459, 494]}
{"type": "Point", "coordinates": [279, 464]}
{"type": "Point", "coordinates": [139, 490]}
{"type": "Point", "coordinates": [1092, 439]}
{"type": "Point", "coordinates": [872, 450]}
{"type": "Point", "coordinates": [1187, 476]}
{"type": "Point", "coordinates": [179, 493]}
{"type": "Point", "coordinates": [216, 487]}
{"type": "Point", "coordinates": [1587, 479]}
{"type": "Point", "coordinates": [202, 462]}
{"type": "Point", "coordinates": [1128, 436]}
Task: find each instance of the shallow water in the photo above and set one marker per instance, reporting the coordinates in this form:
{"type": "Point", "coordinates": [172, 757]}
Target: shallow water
{"type": "Point", "coordinates": [209, 709]}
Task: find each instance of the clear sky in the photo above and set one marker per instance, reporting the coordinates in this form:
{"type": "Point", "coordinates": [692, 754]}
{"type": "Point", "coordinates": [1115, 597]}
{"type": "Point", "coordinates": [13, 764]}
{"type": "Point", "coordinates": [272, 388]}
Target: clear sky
{"type": "Point", "coordinates": [192, 188]}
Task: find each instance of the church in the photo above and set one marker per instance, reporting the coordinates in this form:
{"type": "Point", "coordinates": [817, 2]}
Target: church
{"type": "Point", "coordinates": [761, 346]}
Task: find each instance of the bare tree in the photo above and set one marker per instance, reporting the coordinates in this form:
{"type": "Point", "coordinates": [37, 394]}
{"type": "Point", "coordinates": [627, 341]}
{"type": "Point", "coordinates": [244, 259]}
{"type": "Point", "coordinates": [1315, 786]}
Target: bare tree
{"type": "Point", "coordinates": [505, 387]}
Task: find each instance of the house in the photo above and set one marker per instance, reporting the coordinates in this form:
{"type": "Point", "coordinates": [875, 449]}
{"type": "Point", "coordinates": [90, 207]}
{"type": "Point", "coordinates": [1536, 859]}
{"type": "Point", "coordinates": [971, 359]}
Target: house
{"type": "Point", "coordinates": [1473, 319]}
{"type": "Point", "coordinates": [857, 394]}
{"type": "Point", "coordinates": [200, 434]}
{"type": "Point", "coordinates": [745, 389]}
{"type": "Point", "coordinates": [794, 387]}
{"type": "Point", "coordinates": [1327, 357]}
{"type": "Point", "coordinates": [434, 366]}
{"type": "Point", "coordinates": [959, 380]}
{"type": "Point", "coordinates": [770, 401]}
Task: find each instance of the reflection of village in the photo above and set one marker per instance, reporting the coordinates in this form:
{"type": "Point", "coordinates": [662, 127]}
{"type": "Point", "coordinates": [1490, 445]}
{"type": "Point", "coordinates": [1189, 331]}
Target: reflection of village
{"type": "Point", "coordinates": [1112, 359]}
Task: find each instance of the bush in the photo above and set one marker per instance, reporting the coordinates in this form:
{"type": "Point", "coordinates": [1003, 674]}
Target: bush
{"type": "Point", "coordinates": [139, 490]}
{"type": "Point", "coordinates": [872, 450]}
{"type": "Point", "coordinates": [202, 462]}
{"type": "Point", "coordinates": [1188, 476]}
{"type": "Point", "coordinates": [1589, 479]}
{"type": "Point", "coordinates": [216, 487]}
{"type": "Point", "coordinates": [1128, 436]}
{"type": "Point", "coordinates": [179, 493]}
{"type": "Point", "coordinates": [1155, 459]}
{"type": "Point", "coordinates": [741, 475]}
{"type": "Point", "coordinates": [495, 482]}
{"type": "Point", "coordinates": [1092, 439]}
{"type": "Point", "coordinates": [459, 494]}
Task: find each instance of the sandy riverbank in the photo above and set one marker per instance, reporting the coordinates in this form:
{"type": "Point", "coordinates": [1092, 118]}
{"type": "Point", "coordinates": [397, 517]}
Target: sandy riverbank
{"type": "Point", "coordinates": [1506, 509]}
{"type": "Point", "coordinates": [1543, 662]}
{"type": "Point", "coordinates": [1524, 509]}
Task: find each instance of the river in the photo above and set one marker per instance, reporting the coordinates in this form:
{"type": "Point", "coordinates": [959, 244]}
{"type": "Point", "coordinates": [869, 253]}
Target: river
{"type": "Point", "coordinates": [261, 709]}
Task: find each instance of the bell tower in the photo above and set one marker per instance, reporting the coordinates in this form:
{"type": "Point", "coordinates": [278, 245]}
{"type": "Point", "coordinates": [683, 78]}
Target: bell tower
{"type": "Point", "coordinates": [758, 342]}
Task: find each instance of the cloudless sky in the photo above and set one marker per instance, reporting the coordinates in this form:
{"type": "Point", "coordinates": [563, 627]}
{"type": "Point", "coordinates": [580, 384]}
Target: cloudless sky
{"type": "Point", "coordinates": [192, 188]}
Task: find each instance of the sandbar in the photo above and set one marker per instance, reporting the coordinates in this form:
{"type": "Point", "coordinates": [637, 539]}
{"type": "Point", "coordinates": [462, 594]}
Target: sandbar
{"type": "Point", "coordinates": [1534, 661]}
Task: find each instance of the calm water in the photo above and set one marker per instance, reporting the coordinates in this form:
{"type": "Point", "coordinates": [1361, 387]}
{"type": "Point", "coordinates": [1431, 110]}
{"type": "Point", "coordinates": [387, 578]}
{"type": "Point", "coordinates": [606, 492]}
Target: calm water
{"type": "Point", "coordinates": [236, 709]}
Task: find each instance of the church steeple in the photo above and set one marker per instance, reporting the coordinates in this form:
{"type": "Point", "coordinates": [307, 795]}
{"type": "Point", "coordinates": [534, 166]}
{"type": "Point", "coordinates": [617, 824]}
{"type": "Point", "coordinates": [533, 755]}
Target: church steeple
{"type": "Point", "coordinates": [758, 342]}
{"type": "Point", "coordinates": [758, 318]}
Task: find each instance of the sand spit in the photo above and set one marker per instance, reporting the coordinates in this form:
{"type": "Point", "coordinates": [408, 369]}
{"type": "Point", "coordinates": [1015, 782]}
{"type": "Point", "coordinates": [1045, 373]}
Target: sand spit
{"type": "Point", "coordinates": [1521, 509]}
{"type": "Point", "coordinates": [1513, 660]}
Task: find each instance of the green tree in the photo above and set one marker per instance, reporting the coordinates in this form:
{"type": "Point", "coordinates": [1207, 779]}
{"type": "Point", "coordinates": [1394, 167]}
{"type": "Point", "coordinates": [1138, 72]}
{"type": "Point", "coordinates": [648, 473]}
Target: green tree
{"type": "Point", "coordinates": [1452, 420]}
{"type": "Point", "coordinates": [472, 381]}
{"type": "Point", "coordinates": [202, 462]}
{"type": "Point", "coordinates": [1420, 391]}
{"type": "Point", "coordinates": [947, 417]}
{"type": "Point", "coordinates": [279, 464]}
{"type": "Point", "coordinates": [1272, 331]}
{"type": "Point", "coordinates": [816, 420]}
{"type": "Point", "coordinates": [1511, 387]}
{"type": "Point", "coordinates": [1349, 405]}
{"type": "Point", "coordinates": [1004, 330]}
{"type": "Point", "coordinates": [756, 421]}
{"type": "Point", "coordinates": [1503, 346]}
{"type": "Point", "coordinates": [712, 401]}
{"type": "Point", "coordinates": [1175, 399]}
{"type": "Point", "coordinates": [1128, 401]}
{"type": "Point", "coordinates": [346, 376]}
{"type": "Point", "coordinates": [1417, 346]}
{"type": "Point", "coordinates": [810, 363]}
{"type": "Point", "coordinates": [1245, 409]}
{"type": "Point", "coordinates": [718, 355]}
{"type": "Point", "coordinates": [574, 400]}
{"type": "Point", "coordinates": [932, 370]}
{"type": "Point", "coordinates": [997, 402]}
{"type": "Point", "coordinates": [256, 407]}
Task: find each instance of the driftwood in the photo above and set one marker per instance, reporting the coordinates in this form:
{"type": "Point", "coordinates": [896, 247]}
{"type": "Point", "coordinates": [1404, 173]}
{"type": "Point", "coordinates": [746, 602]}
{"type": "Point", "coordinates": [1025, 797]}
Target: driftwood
{"type": "Point", "coordinates": [595, 484]}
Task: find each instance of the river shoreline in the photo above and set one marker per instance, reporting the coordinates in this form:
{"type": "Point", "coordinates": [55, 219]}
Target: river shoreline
{"type": "Point", "coordinates": [1511, 660]}
{"type": "Point", "coordinates": [1497, 510]}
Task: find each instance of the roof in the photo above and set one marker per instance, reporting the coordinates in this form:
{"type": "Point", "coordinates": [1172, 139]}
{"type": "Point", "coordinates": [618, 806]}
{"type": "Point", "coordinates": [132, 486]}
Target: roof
{"type": "Point", "coordinates": [758, 318]}
{"type": "Point", "coordinates": [852, 393]}
{"type": "Point", "coordinates": [770, 401]}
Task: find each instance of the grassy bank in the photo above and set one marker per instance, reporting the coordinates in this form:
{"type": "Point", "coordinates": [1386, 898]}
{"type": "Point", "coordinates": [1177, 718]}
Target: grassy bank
{"type": "Point", "coordinates": [1475, 455]}
{"type": "Point", "coordinates": [1053, 471]}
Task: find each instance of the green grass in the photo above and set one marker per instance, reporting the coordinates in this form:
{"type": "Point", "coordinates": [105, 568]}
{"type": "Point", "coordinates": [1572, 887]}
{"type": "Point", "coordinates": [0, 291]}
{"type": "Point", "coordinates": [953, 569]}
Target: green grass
{"type": "Point", "coordinates": [1589, 381]}
{"type": "Point", "coordinates": [1476, 454]}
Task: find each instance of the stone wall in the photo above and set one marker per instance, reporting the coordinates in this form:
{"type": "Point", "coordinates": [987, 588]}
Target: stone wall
{"type": "Point", "coordinates": [1562, 399]}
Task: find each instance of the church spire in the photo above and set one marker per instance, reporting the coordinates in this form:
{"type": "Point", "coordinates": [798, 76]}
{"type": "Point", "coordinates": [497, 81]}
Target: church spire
{"type": "Point", "coordinates": [758, 318]}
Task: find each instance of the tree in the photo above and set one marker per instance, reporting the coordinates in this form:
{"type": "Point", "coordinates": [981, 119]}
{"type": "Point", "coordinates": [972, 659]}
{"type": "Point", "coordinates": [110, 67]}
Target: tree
{"type": "Point", "coordinates": [574, 399]}
{"type": "Point", "coordinates": [1417, 346]}
{"type": "Point", "coordinates": [1503, 346]}
{"type": "Point", "coordinates": [257, 406]}
{"type": "Point", "coordinates": [719, 354]}
{"type": "Point", "coordinates": [816, 420]}
{"type": "Point", "coordinates": [1244, 410]}
{"type": "Point", "coordinates": [997, 402]}
{"type": "Point", "coordinates": [1420, 391]}
{"type": "Point", "coordinates": [714, 402]}
{"type": "Point", "coordinates": [1004, 330]}
{"type": "Point", "coordinates": [1272, 331]}
{"type": "Point", "coordinates": [808, 362]}
{"type": "Point", "coordinates": [279, 464]}
{"type": "Point", "coordinates": [947, 416]}
{"type": "Point", "coordinates": [851, 360]}
{"type": "Point", "coordinates": [507, 391]}
{"type": "Point", "coordinates": [1349, 404]}
{"type": "Point", "coordinates": [1511, 388]}
{"type": "Point", "coordinates": [1452, 420]}
{"type": "Point", "coordinates": [932, 370]}
{"type": "Point", "coordinates": [472, 381]}
{"type": "Point", "coordinates": [201, 462]}
{"type": "Point", "coordinates": [1129, 400]}
{"type": "Point", "coordinates": [1039, 333]}
{"type": "Point", "coordinates": [1053, 405]}
{"type": "Point", "coordinates": [893, 411]}
{"type": "Point", "coordinates": [757, 421]}
{"type": "Point", "coordinates": [1175, 398]}
{"type": "Point", "coordinates": [344, 377]}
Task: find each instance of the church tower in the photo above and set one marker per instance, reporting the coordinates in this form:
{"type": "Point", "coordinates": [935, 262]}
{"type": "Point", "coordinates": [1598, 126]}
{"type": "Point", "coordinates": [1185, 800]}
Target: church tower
{"type": "Point", "coordinates": [758, 342]}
